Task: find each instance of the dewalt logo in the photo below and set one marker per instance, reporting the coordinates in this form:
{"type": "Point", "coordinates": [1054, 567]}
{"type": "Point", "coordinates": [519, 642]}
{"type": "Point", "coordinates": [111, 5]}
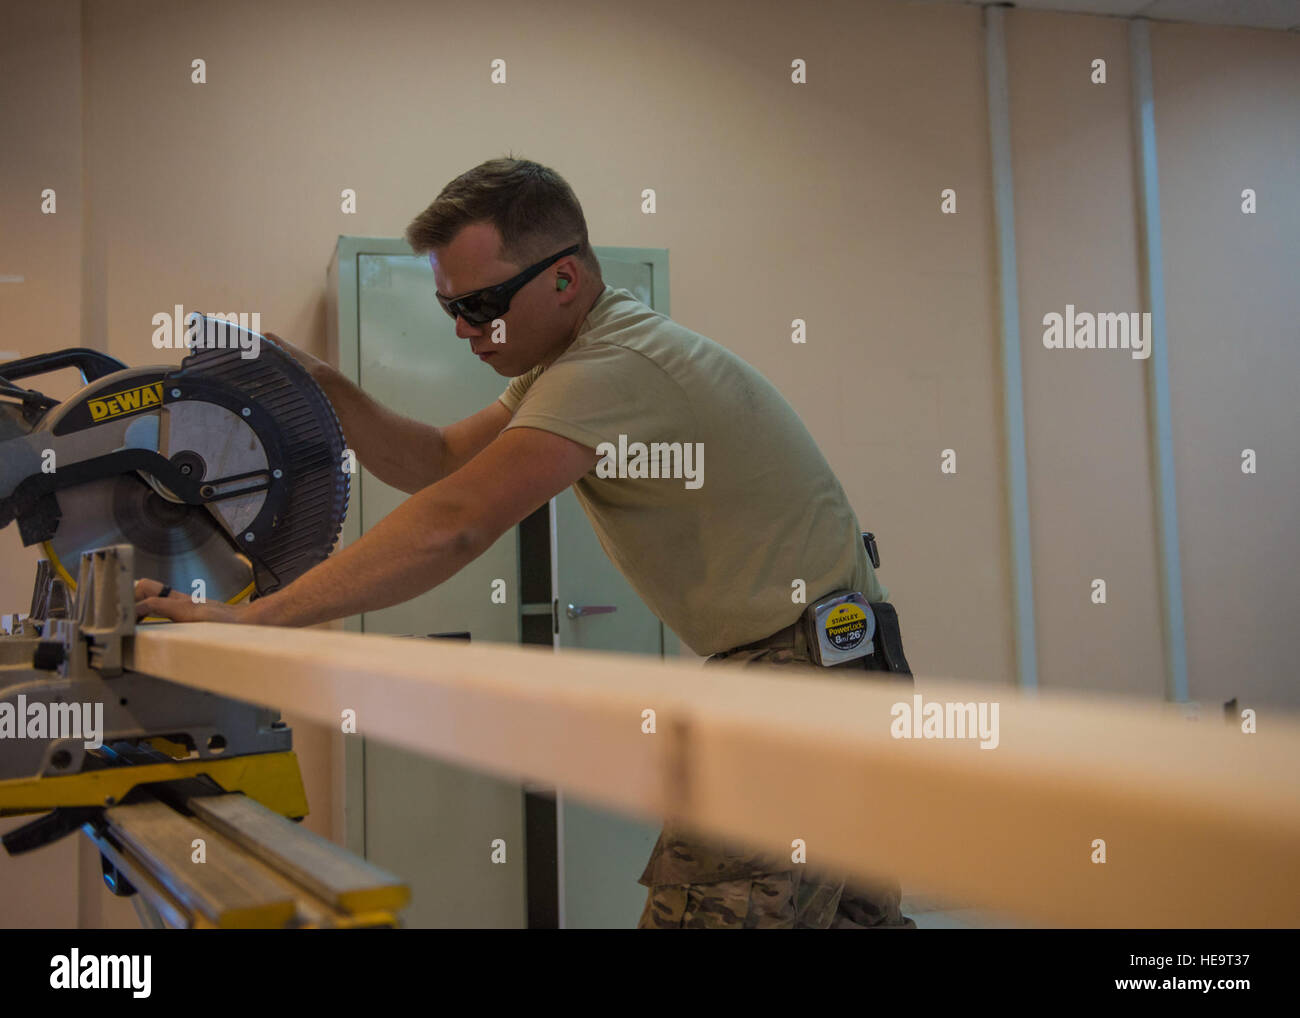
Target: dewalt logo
{"type": "Point", "coordinates": [128, 401]}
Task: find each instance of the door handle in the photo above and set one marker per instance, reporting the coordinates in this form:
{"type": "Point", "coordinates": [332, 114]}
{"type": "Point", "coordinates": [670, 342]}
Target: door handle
{"type": "Point", "coordinates": [578, 611]}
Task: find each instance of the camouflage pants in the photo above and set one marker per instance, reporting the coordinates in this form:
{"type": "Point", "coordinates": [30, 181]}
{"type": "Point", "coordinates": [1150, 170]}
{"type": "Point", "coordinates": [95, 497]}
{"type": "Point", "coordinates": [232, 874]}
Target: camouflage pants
{"type": "Point", "coordinates": [775, 901]}
{"type": "Point", "coordinates": [772, 900]}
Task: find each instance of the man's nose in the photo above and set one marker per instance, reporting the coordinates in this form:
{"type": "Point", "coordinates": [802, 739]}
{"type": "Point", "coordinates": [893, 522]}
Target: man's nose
{"type": "Point", "coordinates": [466, 331]}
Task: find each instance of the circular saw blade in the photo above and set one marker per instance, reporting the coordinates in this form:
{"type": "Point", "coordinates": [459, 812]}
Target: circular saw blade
{"type": "Point", "coordinates": [174, 543]}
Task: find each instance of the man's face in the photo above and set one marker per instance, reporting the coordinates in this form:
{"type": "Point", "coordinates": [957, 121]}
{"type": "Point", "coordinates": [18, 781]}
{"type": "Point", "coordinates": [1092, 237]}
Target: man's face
{"type": "Point", "coordinates": [532, 325]}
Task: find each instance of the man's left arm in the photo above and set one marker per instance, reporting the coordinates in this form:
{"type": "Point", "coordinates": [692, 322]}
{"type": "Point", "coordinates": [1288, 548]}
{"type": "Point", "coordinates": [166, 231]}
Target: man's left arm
{"type": "Point", "coordinates": [426, 540]}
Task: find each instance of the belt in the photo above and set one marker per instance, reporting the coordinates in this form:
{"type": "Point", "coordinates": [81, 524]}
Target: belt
{"type": "Point", "coordinates": [781, 638]}
{"type": "Point", "coordinates": [792, 636]}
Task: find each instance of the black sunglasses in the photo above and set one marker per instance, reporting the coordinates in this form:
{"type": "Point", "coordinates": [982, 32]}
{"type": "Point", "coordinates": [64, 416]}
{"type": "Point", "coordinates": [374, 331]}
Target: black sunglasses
{"type": "Point", "coordinates": [478, 307]}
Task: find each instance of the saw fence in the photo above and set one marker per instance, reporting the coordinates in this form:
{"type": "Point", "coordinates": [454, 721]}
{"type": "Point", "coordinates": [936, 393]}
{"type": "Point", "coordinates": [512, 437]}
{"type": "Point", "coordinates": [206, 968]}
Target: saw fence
{"type": "Point", "coordinates": [1087, 812]}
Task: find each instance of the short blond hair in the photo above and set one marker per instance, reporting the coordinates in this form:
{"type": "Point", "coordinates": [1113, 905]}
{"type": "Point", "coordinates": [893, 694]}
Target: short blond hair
{"type": "Point", "coordinates": [532, 207]}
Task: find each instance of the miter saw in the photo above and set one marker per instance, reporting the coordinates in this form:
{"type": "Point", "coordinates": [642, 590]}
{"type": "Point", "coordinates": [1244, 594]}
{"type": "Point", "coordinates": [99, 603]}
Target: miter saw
{"type": "Point", "coordinates": [226, 474]}
{"type": "Point", "coordinates": [223, 478]}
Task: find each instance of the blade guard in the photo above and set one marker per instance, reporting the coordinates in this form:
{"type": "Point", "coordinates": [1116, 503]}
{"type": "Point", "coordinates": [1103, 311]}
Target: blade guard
{"type": "Point", "coordinates": [298, 426]}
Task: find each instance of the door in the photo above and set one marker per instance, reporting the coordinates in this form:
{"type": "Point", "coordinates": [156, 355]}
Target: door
{"type": "Point", "coordinates": [430, 822]}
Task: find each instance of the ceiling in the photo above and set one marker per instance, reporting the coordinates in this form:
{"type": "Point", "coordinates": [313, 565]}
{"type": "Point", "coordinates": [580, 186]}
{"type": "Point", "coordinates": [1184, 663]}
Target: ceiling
{"type": "Point", "coordinates": [1282, 14]}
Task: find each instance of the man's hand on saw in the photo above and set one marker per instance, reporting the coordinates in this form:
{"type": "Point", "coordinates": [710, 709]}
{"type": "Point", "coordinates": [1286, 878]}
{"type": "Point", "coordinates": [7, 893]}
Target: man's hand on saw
{"type": "Point", "coordinates": [312, 363]}
{"type": "Point", "coordinates": [150, 599]}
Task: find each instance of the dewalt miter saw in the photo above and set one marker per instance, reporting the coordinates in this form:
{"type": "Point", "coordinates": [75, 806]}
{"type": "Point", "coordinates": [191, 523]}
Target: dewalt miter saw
{"type": "Point", "coordinates": [223, 478]}
{"type": "Point", "coordinates": [227, 470]}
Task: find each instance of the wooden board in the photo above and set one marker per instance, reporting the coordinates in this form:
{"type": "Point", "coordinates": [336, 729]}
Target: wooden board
{"type": "Point", "coordinates": [1200, 822]}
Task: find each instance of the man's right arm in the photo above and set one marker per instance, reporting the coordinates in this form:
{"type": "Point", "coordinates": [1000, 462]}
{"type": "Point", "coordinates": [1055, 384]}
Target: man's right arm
{"type": "Point", "coordinates": [405, 453]}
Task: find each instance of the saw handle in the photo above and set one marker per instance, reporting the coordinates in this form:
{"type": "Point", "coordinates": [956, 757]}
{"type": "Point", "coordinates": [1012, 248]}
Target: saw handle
{"type": "Point", "coordinates": [93, 364]}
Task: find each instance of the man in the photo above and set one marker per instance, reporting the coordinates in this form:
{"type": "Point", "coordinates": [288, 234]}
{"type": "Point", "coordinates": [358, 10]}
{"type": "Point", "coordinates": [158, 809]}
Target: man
{"type": "Point", "coordinates": [716, 557]}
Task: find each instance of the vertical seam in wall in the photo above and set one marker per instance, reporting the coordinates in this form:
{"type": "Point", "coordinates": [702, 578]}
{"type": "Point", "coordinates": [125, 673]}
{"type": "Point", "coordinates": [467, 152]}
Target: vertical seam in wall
{"type": "Point", "coordinates": [1013, 407]}
{"type": "Point", "coordinates": [1160, 428]}
{"type": "Point", "coordinates": [85, 287]}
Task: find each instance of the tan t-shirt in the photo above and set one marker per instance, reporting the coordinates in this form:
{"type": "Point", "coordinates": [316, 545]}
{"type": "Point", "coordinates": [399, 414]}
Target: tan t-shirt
{"type": "Point", "coordinates": [744, 507]}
